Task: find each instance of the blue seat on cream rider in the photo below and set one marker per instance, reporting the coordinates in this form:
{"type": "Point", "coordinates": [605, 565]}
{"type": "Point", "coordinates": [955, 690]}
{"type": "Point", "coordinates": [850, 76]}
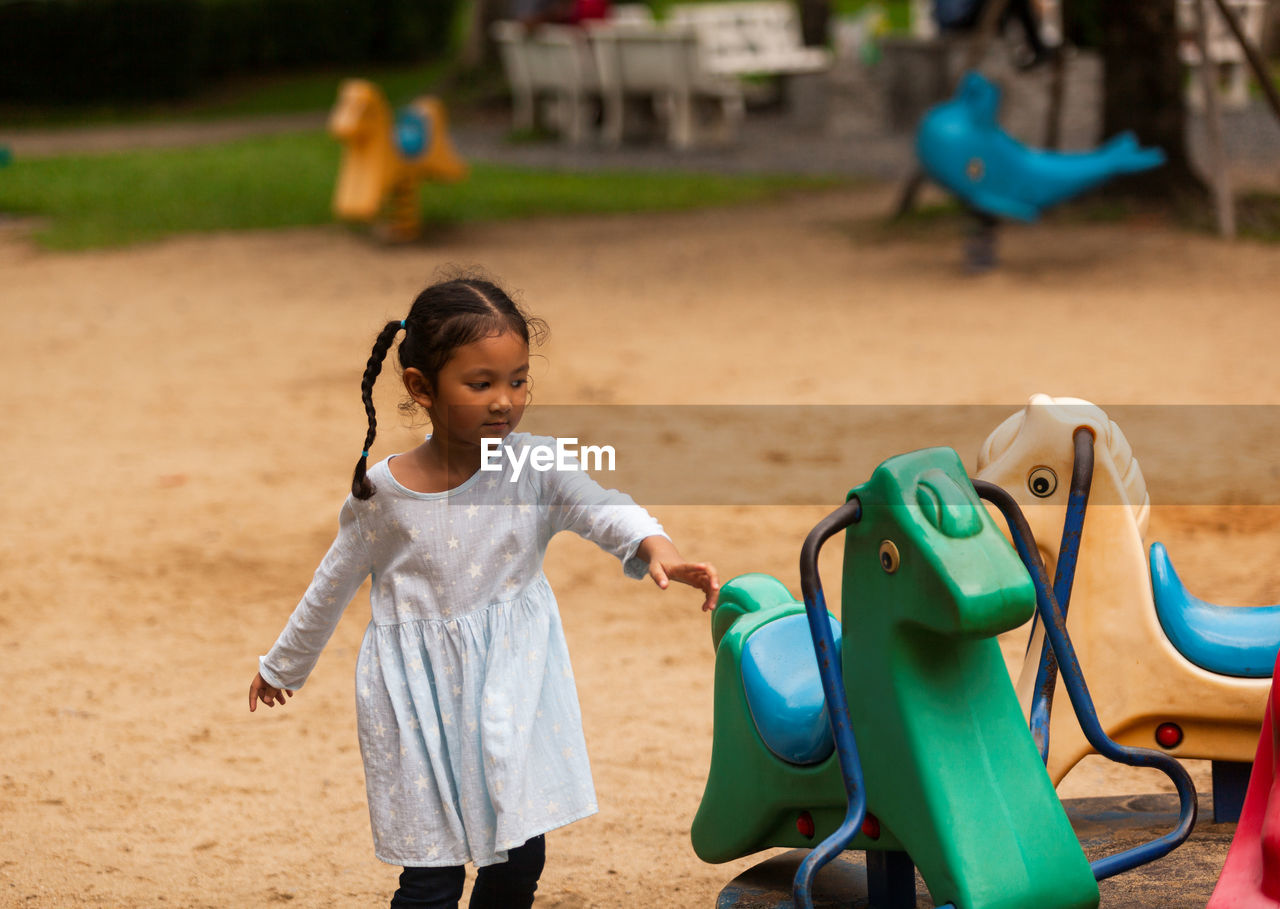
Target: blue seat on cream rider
{"type": "Point", "coordinates": [1239, 641]}
{"type": "Point", "coordinates": [784, 691]}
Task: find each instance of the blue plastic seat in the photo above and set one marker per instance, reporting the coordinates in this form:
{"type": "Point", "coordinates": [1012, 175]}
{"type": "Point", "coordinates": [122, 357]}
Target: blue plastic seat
{"type": "Point", "coordinates": [412, 133]}
{"type": "Point", "coordinates": [784, 691]}
{"type": "Point", "coordinates": [1239, 641]}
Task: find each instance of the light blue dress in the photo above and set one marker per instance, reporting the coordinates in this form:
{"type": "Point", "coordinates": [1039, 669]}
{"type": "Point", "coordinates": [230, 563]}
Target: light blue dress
{"type": "Point", "coordinates": [467, 712]}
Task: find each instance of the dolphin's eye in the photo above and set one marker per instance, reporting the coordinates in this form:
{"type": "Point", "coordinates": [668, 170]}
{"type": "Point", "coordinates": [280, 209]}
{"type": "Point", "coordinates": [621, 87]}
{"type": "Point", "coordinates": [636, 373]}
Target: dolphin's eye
{"type": "Point", "coordinates": [1042, 482]}
{"type": "Point", "coordinates": [889, 559]}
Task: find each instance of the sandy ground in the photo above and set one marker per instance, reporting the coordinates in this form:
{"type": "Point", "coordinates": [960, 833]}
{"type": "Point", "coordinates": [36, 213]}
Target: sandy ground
{"type": "Point", "coordinates": [180, 425]}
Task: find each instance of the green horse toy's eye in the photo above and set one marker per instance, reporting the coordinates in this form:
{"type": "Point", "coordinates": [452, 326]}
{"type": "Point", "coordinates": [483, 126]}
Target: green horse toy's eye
{"type": "Point", "coordinates": [1042, 482]}
{"type": "Point", "coordinates": [889, 558]}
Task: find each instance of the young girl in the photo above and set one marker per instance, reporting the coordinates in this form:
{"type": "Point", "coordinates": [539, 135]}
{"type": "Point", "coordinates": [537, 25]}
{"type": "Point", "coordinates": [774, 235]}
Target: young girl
{"type": "Point", "coordinates": [468, 717]}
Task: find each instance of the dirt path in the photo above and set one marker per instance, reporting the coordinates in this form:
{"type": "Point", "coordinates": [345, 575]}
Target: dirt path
{"type": "Point", "coordinates": [181, 424]}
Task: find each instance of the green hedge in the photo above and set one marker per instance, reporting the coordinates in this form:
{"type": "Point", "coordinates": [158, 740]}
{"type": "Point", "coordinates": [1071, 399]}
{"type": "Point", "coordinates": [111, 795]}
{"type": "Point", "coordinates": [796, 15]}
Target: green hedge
{"type": "Point", "coordinates": [98, 50]}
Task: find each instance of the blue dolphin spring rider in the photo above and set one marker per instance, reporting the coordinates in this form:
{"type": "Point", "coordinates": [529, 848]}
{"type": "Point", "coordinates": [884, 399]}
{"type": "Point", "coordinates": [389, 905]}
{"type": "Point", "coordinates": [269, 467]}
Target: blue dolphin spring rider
{"type": "Point", "coordinates": [961, 146]}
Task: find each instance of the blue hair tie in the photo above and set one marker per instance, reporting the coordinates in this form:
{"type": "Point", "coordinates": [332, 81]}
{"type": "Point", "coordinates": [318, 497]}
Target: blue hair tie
{"type": "Point", "coordinates": [402, 325]}
{"type": "Point", "coordinates": [364, 454]}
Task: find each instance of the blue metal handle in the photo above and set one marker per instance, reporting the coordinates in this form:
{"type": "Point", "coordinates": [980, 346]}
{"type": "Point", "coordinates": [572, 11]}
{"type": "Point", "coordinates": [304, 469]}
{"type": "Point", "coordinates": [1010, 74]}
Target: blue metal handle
{"type": "Point", "coordinates": [829, 669]}
{"type": "Point", "coordinates": [1063, 578]}
{"type": "Point", "coordinates": [1055, 623]}
{"type": "Point", "coordinates": [815, 605]}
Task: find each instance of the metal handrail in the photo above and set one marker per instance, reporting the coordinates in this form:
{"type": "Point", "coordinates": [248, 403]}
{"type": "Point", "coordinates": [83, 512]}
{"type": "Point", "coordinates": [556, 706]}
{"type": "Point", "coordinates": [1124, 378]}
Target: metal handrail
{"type": "Point", "coordinates": [829, 669]}
{"type": "Point", "coordinates": [1055, 623]}
{"type": "Point", "coordinates": [1064, 576]}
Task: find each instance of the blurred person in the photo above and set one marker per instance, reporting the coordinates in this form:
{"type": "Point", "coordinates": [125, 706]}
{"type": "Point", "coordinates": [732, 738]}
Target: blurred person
{"type": "Point", "coordinates": [964, 15]}
{"type": "Point", "coordinates": [532, 13]}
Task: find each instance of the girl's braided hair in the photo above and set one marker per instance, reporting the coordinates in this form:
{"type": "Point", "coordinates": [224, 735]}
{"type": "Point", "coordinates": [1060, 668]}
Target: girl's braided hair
{"type": "Point", "coordinates": [443, 318]}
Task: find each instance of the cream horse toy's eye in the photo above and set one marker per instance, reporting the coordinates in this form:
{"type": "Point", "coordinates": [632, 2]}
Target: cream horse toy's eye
{"type": "Point", "coordinates": [1042, 482]}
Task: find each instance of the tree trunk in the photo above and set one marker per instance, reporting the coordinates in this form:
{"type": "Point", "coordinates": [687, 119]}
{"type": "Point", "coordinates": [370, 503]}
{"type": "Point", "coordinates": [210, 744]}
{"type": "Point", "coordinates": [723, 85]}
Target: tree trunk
{"type": "Point", "coordinates": [815, 19]}
{"type": "Point", "coordinates": [1271, 31]}
{"type": "Point", "coordinates": [1143, 93]}
{"type": "Point", "coordinates": [477, 51]}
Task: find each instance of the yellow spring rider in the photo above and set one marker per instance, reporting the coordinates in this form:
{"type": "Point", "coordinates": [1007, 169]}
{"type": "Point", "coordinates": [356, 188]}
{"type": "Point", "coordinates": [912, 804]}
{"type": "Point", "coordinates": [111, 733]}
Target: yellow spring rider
{"type": "Point", "coordinates": [384, 157]}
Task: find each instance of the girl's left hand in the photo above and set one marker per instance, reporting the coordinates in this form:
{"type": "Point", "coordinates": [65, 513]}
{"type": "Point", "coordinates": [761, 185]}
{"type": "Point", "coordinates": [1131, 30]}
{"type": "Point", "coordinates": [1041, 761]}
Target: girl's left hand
{"type": "Point", "coordinates": [666, 565]}
{"type": "Point", "coordinates": [696, 574]}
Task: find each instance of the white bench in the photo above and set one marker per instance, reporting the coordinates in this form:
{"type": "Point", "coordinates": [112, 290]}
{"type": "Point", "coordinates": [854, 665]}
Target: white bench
{"type": "Point", "coordinates": [662, 66]}
{"type": "Point", "coordinates": [750, 38]}
{"type": "Point", "coordinates": [563, 70]}
{"type": "Point", "coordinates": [552, 67]}
{"type": "Point", "coordinates": [1225, 53]}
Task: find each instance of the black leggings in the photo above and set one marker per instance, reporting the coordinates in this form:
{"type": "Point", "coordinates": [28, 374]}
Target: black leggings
{"type": "Point", "coordinates": [509, 885]}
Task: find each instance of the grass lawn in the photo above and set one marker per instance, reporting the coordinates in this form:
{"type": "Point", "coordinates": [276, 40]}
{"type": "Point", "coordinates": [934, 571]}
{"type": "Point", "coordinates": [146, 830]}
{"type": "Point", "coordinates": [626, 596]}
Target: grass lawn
{"type": "Point", "coordinates": [287, 180]}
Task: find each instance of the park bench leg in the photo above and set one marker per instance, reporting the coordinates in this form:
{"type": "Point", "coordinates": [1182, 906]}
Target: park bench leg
{"type": "Point", "coordinates": [681, 126]}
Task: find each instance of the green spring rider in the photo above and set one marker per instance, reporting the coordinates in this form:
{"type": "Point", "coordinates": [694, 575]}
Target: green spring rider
{"type": "Point", "coordinates": [952, 776]}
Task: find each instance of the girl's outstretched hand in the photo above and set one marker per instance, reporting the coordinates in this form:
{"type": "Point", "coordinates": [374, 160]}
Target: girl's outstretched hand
{"type": "Point", "coordinates": [666, 565]}
{"type": "Point", "coordinates": [268, 694]}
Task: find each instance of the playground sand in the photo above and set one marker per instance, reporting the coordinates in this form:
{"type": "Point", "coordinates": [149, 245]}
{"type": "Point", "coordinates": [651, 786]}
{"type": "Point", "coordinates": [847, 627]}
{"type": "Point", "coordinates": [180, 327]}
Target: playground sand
{"type": "Point", "coordinates": [182, 419]}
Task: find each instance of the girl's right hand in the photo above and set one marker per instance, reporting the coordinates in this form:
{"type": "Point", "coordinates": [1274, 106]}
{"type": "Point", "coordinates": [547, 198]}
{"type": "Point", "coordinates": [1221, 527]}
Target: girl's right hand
{"type": "Point", "coordinates": [268, 694]}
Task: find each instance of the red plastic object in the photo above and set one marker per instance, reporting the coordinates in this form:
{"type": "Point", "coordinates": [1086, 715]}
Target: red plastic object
{"type": "Point", "coordinates": [1251, 876]}
{"type": "Point", "coordinates": [871, 826]}
{"type": "Point", "coordinates": [1169, 735]}
{"type": "Point", "coordinates": [804, 825]}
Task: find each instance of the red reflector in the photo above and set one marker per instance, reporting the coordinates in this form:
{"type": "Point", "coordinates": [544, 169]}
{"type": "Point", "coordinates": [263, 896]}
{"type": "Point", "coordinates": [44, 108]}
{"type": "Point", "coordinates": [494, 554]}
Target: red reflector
{"type": "Point", "coordinates": [804, 824]}
{"type": "Point", "coordinates": [871, 826]}
{"type": "Point", "coordinates": [1169, 735]}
